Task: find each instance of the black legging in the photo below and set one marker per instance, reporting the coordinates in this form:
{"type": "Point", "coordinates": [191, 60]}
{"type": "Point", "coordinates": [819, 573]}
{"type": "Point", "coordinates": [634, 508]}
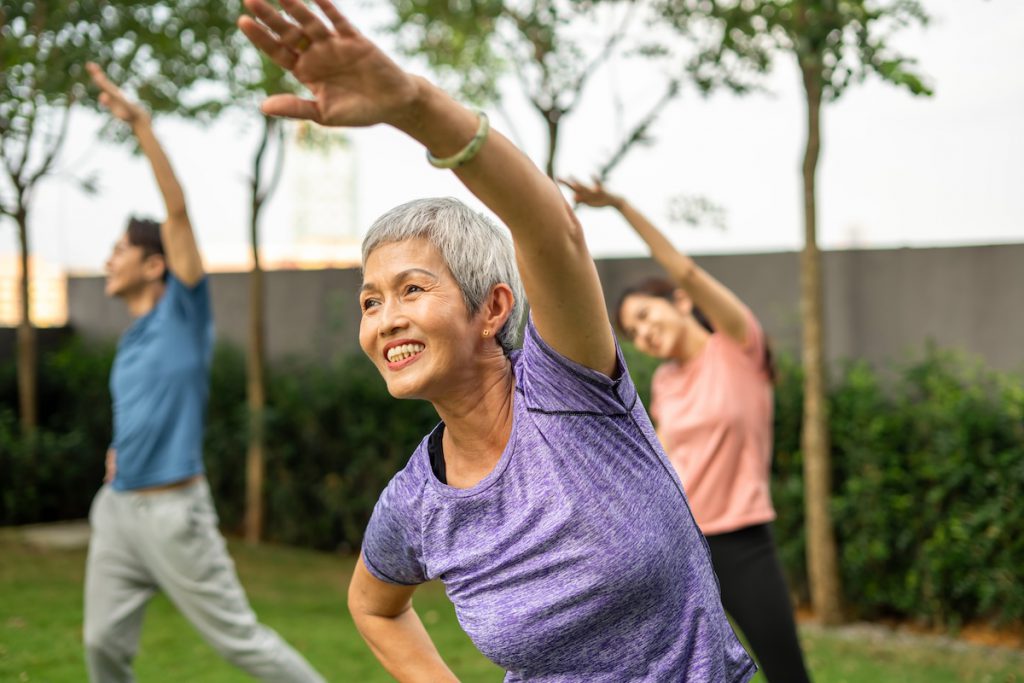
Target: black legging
{"type": "Point", "coordinates": [755, 596]}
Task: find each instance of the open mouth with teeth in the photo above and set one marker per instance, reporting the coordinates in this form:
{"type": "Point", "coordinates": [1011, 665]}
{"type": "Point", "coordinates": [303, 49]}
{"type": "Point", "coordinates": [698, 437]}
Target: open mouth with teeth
{"type": "Point", "coordinates": [403, 352]}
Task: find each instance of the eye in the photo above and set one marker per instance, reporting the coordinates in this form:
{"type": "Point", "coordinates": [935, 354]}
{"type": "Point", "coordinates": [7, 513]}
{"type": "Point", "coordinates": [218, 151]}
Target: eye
{"type": "Point", "coordinates": [412, 289]}
{"type": "Point", "coordinates": [369, 303]}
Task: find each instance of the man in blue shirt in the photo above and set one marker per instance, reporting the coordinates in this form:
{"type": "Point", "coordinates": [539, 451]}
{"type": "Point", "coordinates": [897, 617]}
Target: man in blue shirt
{"type": "Point", "coordinates": [154, 526]}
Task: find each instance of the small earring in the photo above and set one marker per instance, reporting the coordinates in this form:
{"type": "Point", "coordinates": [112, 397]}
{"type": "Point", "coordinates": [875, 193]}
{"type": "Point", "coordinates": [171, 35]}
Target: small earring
{"type": "Point", "coordinates": [487, 333]}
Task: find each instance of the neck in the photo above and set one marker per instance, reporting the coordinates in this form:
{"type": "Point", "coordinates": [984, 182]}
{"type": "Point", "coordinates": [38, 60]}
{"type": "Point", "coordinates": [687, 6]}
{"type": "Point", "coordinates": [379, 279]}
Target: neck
{"type": "Point", "coordinates": [143, 300]}
{"type": "Point", "coordinates": [478, 420]}
{"type": "Point", "coordinates": [693, 341]}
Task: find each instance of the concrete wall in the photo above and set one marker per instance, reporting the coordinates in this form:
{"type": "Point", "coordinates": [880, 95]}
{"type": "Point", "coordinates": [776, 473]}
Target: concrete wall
{"type": "Point", "coordinates": [308, 311]}
{"type": "Point", "coordinates": [880, 304]}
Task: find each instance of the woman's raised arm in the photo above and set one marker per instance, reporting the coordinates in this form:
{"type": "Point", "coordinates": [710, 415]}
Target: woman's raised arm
{"type": "Point", "coordinates": [724, 309]}
{"type": "Point", "coordinates": [355, 84]}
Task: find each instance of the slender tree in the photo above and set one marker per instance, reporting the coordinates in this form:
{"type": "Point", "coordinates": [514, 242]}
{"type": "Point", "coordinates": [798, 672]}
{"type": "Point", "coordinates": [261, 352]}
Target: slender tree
{"type": "Point", "coordinates": [834, 44]}
{"type": "Point", "coordinates": [248, 78]}
{"type": "Point", "coordinates": [255, 462]}
{"type": "Point", "coordinates": [252, 79]}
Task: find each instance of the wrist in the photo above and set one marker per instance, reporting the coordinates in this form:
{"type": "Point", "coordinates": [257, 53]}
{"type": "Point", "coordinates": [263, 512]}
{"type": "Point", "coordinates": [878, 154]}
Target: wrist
{"type": "Point", "coordinates": [141, 121]}
{"type": "Point", "coordinates": [618, 203]}
{"type": "Point", "coordinates": [411, 113]}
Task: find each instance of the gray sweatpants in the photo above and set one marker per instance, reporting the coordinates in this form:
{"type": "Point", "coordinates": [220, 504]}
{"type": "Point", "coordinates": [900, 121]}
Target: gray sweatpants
{"type": "Point", "coordinates": [169, 541]}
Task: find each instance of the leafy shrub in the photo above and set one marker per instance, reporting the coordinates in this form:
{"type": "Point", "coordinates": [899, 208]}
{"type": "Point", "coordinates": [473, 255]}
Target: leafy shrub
{"type": "Point", "coordinates": [55, 474]}
{"type": "Point", "coordinates": [928, 466]}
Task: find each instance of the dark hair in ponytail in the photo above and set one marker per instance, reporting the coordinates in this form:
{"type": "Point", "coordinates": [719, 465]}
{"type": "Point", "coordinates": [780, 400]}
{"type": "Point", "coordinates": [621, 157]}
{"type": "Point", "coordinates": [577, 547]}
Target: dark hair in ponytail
{"type": "Point", "coordinates": [662, 288]}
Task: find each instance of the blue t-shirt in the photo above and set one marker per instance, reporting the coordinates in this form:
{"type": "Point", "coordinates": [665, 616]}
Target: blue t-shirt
{"type": "Point", "coordinates": [159, 385]}
{"type": "Point", "coordinates": [576, 559]}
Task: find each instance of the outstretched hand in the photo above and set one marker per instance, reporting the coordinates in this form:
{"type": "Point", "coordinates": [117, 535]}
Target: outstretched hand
{"type": "Point", "coordinates": [591, 195]}
{"type": "Point", "coordinates": [353, 82]}
{"type": "Point", "coordinates": [114, 99]}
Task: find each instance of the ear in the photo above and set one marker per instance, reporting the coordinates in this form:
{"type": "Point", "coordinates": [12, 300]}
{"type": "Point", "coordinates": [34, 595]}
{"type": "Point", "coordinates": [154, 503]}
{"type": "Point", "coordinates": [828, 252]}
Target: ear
{"type": "Point", "coordinates": [682, 301]}
{"type": "Point", "coordinates": [496, 308]}
{"type": "Point", "coordinates": [153, 267]}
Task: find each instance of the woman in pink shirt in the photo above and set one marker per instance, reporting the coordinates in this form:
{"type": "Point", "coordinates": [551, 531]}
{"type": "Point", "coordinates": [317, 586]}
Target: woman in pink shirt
{"type": "Point", "coordinates": [711, 401]}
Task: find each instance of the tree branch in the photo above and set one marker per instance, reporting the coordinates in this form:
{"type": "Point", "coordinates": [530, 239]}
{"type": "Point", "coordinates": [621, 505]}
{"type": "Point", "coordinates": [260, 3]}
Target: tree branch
{"type": "Point", "coordinates": [540, 51]}
{"type": "Point", "coordinates": [639, 132]}
{"type": "Point", "coordinates": [257, 166]}
{"type": "Point", "coordinates": [606, 52]}
{"type": "Point", "coordinates": [278, 162]}
{"type": "Point", "coordinates": [20, 167]}
{"type": "Point", "coordinates": [5, 210]}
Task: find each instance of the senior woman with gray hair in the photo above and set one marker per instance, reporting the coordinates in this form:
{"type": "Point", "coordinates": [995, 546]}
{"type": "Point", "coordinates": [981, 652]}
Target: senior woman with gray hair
{"type": "Point", "coordinates": [542, 500]}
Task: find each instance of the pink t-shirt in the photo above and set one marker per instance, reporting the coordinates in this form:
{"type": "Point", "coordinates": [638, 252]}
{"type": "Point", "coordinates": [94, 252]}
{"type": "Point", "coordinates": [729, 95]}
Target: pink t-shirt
{"type": "Point", "coordinates": [714, 417]}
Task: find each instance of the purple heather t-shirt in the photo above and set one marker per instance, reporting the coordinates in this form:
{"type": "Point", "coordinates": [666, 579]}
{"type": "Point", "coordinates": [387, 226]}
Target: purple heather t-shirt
{"type": "Point", "coordinates": [576, 558]}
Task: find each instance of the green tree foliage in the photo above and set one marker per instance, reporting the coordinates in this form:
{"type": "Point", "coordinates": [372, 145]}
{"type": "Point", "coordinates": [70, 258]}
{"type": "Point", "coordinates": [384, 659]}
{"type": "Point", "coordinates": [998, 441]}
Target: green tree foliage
{"type": "Point", "coordinates": [926, 468]}
{"type": "Point", "coordinates": [840, 41]}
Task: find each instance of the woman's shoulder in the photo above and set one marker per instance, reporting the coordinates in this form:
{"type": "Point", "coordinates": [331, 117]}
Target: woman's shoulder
{"type": "Point", "coordinates": [551, 383]}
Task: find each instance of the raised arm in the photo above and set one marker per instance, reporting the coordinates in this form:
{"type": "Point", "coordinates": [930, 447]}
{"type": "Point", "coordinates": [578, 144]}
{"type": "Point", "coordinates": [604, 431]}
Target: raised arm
{"type": "Point", "coordinates": [180, 249]}
{"type": "Point", "coordinates": [724, 309]}
{"type": "Point", "coordinates": [355, 84]}
{"type": "Point", "coordinates": [385, 618]}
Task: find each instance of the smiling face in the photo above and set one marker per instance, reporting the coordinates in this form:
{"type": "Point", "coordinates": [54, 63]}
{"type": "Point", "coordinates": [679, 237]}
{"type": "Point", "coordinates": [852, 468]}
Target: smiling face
{"type": "Point", "coordinates": [415, 326]}
{"type": "Point", "coordinates": [129, 270]}
{"type": "Point", "coordinates": [656, 325]}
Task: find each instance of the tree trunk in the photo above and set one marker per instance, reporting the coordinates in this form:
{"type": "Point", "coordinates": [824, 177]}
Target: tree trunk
{"type": "Point", "coordinates": [821, 544]}
{"type": "Point", "coordinates": [256, 399]}
{"type": "Point", "coordinates": [553, 117]}
{"type": "Point", "coordinates": [255, 391]}
{"type": "Point", "coordinates": [27, 393]}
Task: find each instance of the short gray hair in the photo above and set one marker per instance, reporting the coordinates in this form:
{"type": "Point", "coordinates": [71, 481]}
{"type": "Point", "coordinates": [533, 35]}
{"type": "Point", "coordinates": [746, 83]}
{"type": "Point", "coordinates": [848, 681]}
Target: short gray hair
{"type": "Point", "coordinates": [478, 253]}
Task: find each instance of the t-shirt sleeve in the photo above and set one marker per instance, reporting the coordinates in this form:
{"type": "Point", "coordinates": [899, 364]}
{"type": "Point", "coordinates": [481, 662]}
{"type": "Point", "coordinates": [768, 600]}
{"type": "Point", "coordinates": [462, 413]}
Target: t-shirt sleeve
{"type": "Point", "coordinates": [552, 383]}
{"type": "Point", "coordinates": [393, 543]}
{"type": "Point", "coordinates": [191, 303]}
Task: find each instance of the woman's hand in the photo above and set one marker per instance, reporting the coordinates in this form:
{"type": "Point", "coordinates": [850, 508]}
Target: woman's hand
{"type": "Point", "coordinates": [354, 83]}
{"type": "Point", "coordinates": [591, 195]}
{"type": "Point", "coordinates": [113, 99]}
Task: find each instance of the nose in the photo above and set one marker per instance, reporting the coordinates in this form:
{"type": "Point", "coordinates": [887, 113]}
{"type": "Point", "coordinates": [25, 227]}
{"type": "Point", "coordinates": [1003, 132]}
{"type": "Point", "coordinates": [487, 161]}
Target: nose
{"type": "Point", "coordinates": [391, 318]}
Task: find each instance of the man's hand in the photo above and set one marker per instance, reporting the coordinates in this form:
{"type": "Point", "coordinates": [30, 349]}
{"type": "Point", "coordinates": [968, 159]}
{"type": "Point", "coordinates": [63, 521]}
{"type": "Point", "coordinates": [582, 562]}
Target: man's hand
{"type": "Point", "coordinates": [116, 101]}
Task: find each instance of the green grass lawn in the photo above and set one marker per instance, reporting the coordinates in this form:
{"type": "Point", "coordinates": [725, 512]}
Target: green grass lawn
{"type": "Point", "coordinates": [302, 595]}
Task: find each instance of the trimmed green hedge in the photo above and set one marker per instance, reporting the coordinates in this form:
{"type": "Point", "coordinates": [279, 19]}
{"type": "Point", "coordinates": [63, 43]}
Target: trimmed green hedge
{"type": "Point", "coordinates": [928, 467]}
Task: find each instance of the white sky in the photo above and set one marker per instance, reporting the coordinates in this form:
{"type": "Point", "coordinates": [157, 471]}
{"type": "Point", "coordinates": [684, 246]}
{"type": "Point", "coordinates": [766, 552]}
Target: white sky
{"type": "Point", "coordinates": [895, 170]}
